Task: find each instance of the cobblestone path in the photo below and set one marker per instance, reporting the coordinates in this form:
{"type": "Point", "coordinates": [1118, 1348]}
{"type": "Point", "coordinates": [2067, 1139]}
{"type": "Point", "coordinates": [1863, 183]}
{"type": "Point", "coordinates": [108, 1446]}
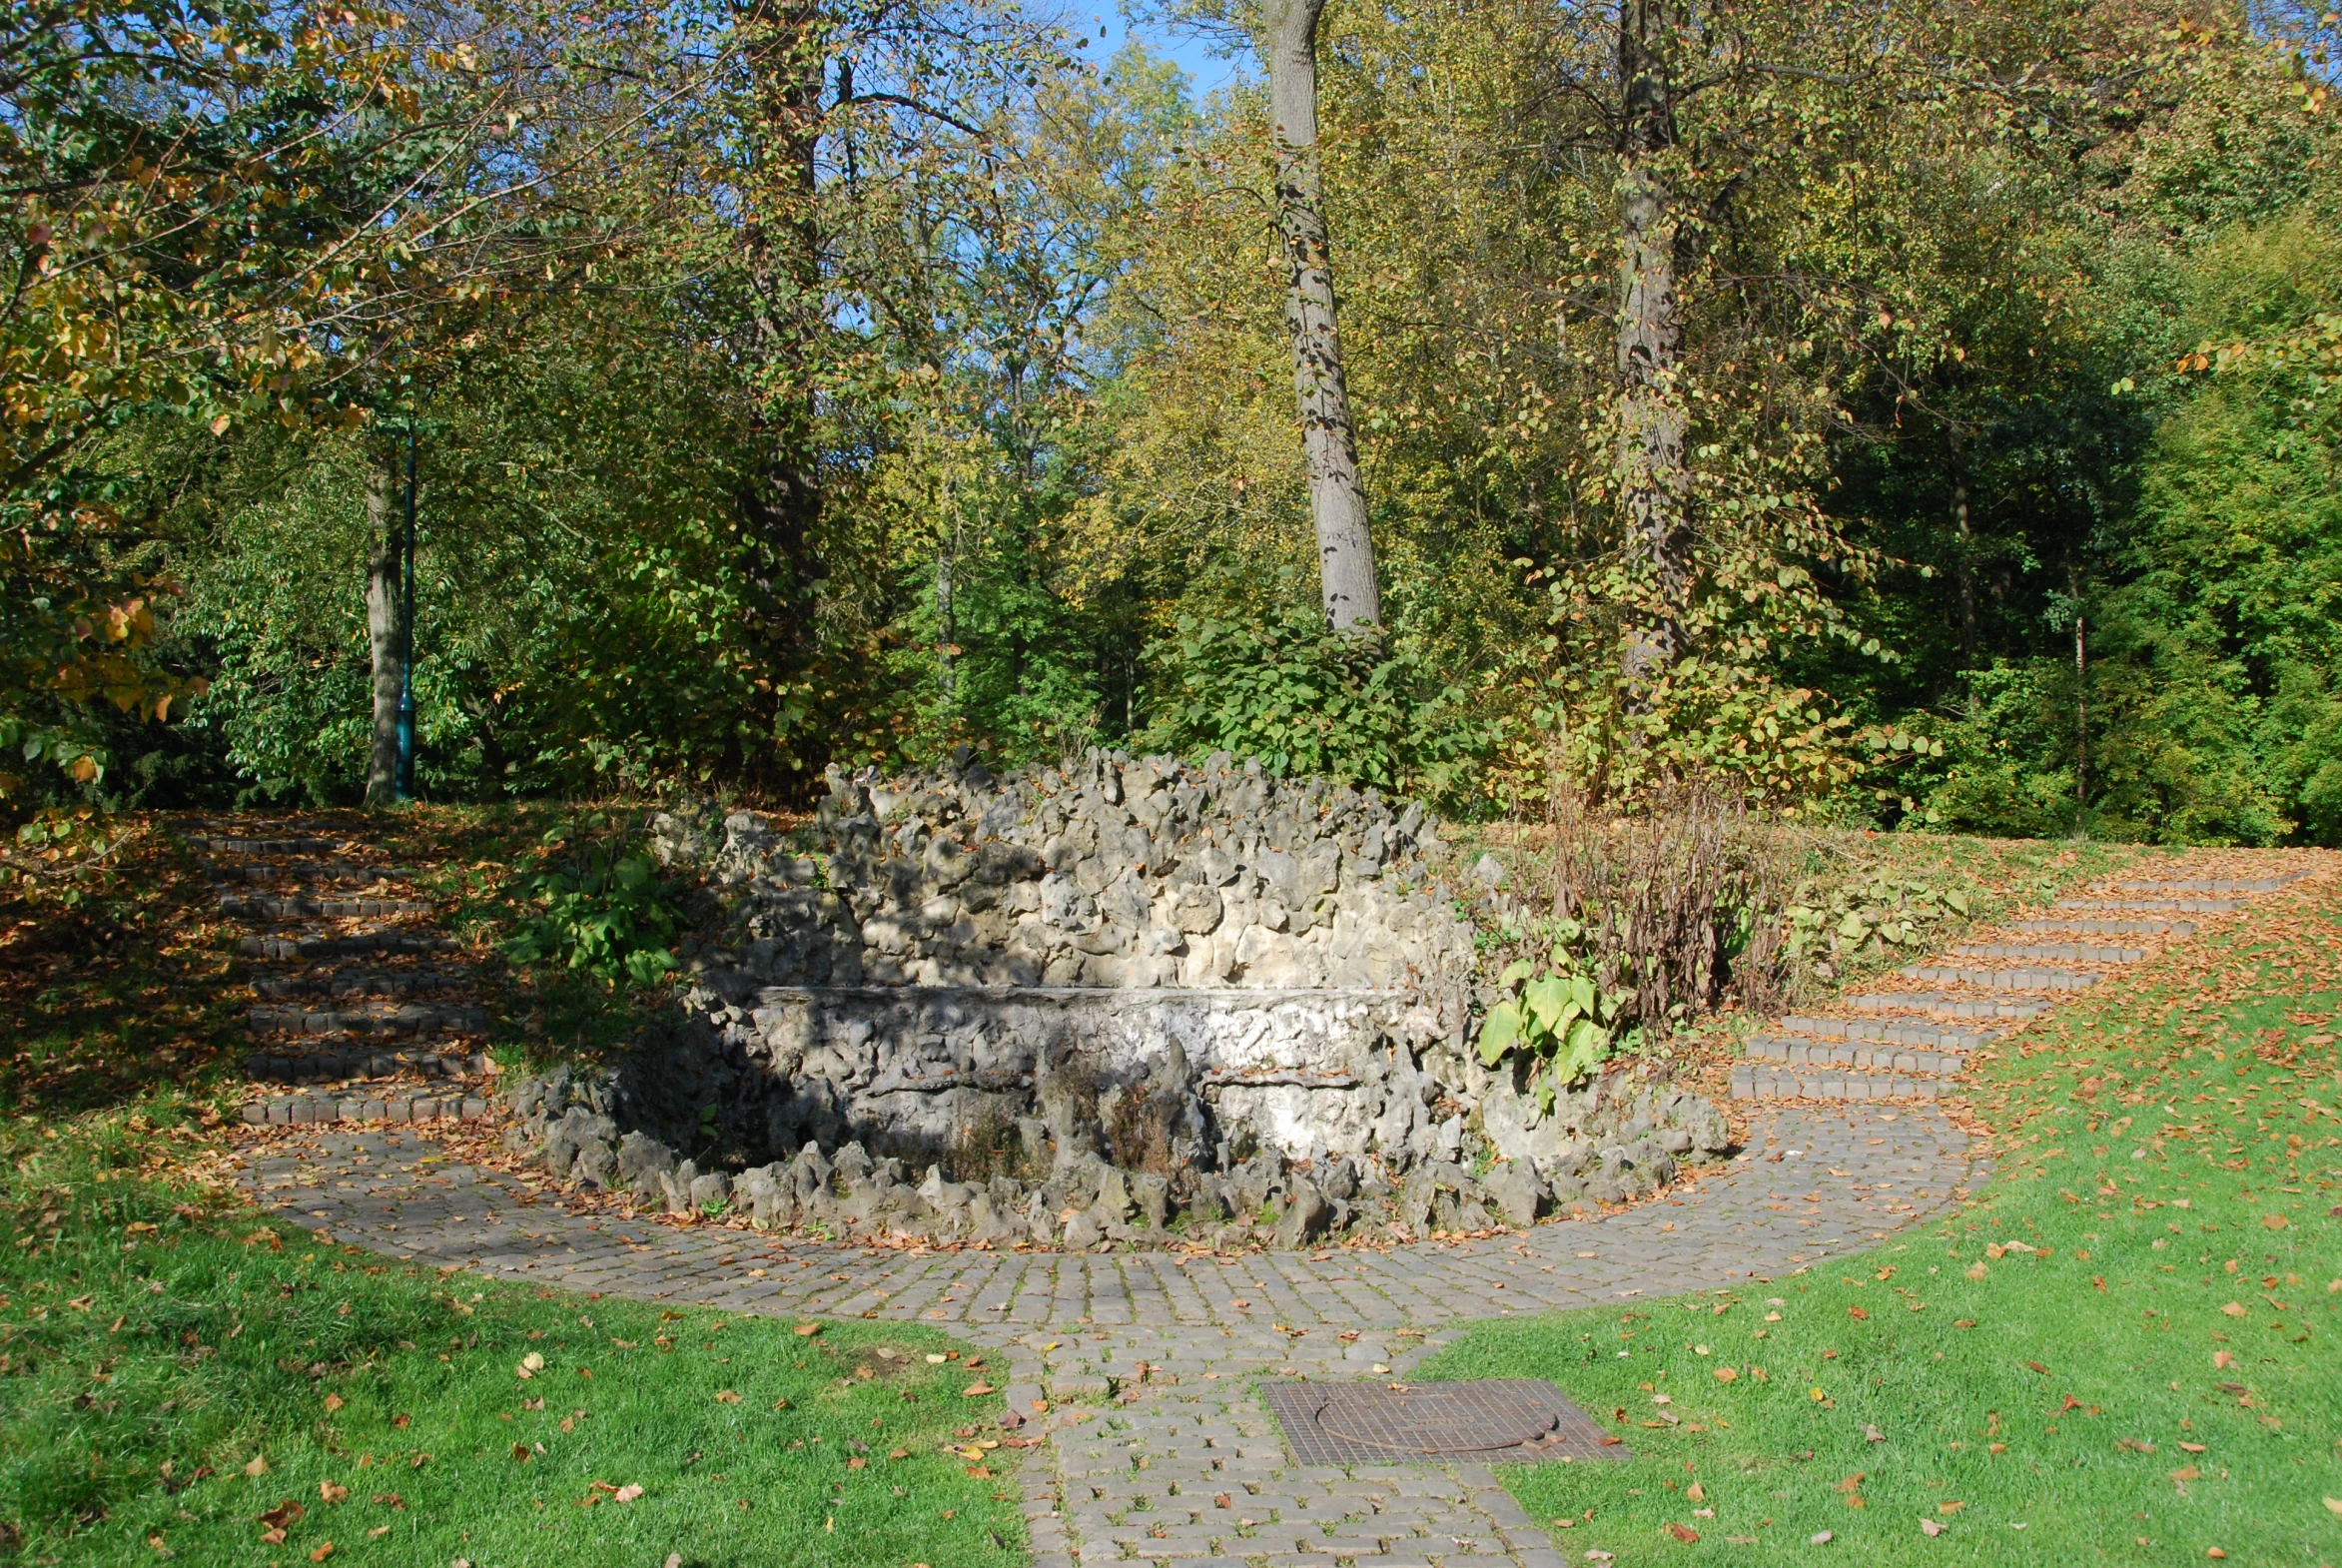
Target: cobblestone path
{"type": "Point", "coordinates": [1143, 1368]}
{"type": "Point", "coordinates": [1148, 1360]}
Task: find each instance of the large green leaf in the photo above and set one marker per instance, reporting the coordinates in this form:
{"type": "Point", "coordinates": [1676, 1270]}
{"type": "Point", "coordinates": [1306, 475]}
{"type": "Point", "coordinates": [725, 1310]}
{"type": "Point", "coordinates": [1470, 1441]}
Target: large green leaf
{"type": "Point", "coordinates": [1497, 1034]}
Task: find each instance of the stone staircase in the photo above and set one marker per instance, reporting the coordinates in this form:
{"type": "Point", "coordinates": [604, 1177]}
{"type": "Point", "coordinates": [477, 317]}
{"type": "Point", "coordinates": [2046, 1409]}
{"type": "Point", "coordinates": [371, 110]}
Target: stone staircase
{"type": "Point", "coordinates": [358, 998]}
{"type": "Point", "coordinates": [1913, 1043]}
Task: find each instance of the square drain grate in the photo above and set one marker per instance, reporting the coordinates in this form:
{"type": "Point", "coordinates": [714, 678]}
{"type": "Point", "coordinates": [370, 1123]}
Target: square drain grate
{"type": "Point", "coordinates": [1503, 1420]}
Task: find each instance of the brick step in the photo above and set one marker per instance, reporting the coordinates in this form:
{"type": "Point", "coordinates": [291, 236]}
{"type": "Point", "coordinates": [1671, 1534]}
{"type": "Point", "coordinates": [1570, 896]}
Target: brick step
{"type": "Point", "coordinates": [1904, 1060]}
{"type": "Point", "coordinates": [2174, 929]}
{"type": "Point", "coordinates": [305, 871]}
{"type": "Point", "coordinates": [413, 1017]}
{"type": "Point", "coordinates": [305, 1110]}
{"type": "Point", "coordinates": [1887, 1031]}
{"type": "Point", "coordinates": [2155, 906]}
{"type": "Point", "coordinates": [2217, 887]}
{"type": "Point", "coordinates": [1946, 1006]}
{"type": "Point", "coordinates": [219, 844]}
{"type": "Point", "coordinates": [351, 945]}
{"type": "Point", "coordinates": [2002, 979]}
{"type": "Point", "coordinates": [306, 1064]}
{"type": "Point", "coordinates": [2064, 951]}
{"type": "Point", "coordinates": [241, 906]}
{"type": "Point", "coordinates": [1768, 1083]}
{"type": "Point", "coordinates": [340, 983]}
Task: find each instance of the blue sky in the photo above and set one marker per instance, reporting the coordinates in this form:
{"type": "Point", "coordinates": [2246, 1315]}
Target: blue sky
{"type": "Point", "coordinates": [1105, 26]}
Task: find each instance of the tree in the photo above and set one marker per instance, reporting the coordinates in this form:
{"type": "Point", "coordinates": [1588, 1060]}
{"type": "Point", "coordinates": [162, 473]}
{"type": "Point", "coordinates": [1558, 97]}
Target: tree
{"type": "Point", "coordinates": [1337, 500]}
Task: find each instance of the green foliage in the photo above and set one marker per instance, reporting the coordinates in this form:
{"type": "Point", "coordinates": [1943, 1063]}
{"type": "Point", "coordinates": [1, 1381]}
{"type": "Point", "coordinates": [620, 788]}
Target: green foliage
{"type": "Point", "coordinates": [605, 911]}
{"type": "Point", "coordinates": [1888, 913]}
{"type": "Point", "coordinates": [1273, 681]}
{"type": "Point", "coordinates": [1558, 1014]}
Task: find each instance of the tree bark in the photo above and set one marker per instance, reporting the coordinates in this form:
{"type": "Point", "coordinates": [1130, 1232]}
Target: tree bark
{"type": "Point", "coordinates": [1965, 568]}
{"type": "Point", "coordinates": [1654, 482]}
{"type": "Point", "coordinates": [383, 558]}
{"type": "Point", "coordinates": [1337, 500]}
{"type": "Point", "coordinates": [782, 243]}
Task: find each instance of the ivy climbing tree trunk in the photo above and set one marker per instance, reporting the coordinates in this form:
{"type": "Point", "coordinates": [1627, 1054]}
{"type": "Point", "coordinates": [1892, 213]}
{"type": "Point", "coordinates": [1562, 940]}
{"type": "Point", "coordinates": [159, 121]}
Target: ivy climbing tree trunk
{"type": "Point", "coordinates": [383, 561]}
{"type": "Point", "coordinates": [1654, 480]}
{"type": "Point", "coordinates": [1337, 500]}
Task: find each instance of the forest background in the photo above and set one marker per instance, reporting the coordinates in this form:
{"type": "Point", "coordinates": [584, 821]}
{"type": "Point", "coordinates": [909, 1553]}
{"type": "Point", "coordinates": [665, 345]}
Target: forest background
{"type": "Point", "coordinates": [787, 382]}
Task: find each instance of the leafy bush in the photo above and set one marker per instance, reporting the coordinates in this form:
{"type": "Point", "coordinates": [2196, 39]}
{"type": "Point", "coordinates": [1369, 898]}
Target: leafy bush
{"type": "Point", "coordinates": [1558, 1013]}
{"type": "Point", "coordinates": [1831, 923]}
{"type": "Point", "coordinates": [605, 912]}
{"type": "Point", "coordinates": [1362, 707]}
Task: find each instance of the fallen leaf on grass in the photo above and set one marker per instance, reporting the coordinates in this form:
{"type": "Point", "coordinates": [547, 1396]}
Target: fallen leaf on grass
{"type": "Point", "coordinates": [626, 1493]}
{"type": "Point", "coordinates": [323, 1551]}
{"type": "Point", "coordinates": [1859, 1314]}
{"type": "Point", "coordinates": [808, 1330]}
{"type": "Point", "coordinates": [285, 1513]}
{"type": "Point", "coordinates": [2334, 1505]}
{"type": "Point", "coordinates": [977, 1389]}
{"type": "Point", "coordinates": [2235, 1309]}
{"type": "Point", "coordinates": [2194, 1448]}
{"type": "Point", "coordinates": [2038, 1367]}
{"type": "Point", "coordinates": [333, 1403]}
{"type": "Point", "coordinates": [1950, 1505]}
{"type": "Point", "coordinates": [333, 1491]}
{"type": "Point", "coordinates": [257, 1465]}
{"type": "Point", "coordinates": [377, 1532]}
{"type": "Point", "coordinates": [2223, 1361]}
{"type": "Point", "coordinates": [1683, 1532]}
{"type": "Point", "coordinates": [2186, 1474]}
{"type": "Point", "coordinates": [726, 1396]}
{"type": "Point", "coordinates": [899, 1453]}
{"type": "Point", "coordinates": [2273, 1222]}
{"type": "Point", "coordinates": [1930, 1527]}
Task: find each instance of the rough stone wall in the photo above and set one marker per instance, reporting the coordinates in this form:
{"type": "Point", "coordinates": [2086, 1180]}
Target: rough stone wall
{"type": "Point", "coordinates": [1220, 987]}
{"type": "Point", "coordinates": [905, 968]}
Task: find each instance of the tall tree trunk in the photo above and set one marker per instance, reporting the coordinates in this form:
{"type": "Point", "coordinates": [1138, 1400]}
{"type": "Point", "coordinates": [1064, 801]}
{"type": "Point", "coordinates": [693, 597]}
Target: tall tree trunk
{"type": "Point", "coordinates": [1964, 571]}
{"type": "Point", "coordinates": [782, 242]}
{"type": "Point", "coordinates": [1338, 500]}
{"type": "Point", "coordinates": [1654, 482]}
{"type": "Point", "coordinates": [384, 556]}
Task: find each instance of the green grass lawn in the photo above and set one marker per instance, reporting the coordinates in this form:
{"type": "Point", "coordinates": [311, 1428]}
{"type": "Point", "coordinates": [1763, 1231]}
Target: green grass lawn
{"type": "Point", "coordinates": [178, 1377]}
{"type": "Point", "coordinates": [2127, 1349]}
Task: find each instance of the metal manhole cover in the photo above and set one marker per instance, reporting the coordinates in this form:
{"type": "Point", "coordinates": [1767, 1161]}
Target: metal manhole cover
{"type": "Point", "coordinates": [1505, 1419]}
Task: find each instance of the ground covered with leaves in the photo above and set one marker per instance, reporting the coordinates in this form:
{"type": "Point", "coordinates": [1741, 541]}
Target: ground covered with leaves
{"type": "Point", "coordinates": [183, 1377]}
{"type": "Point", "coordinates": [2124, 1351]}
